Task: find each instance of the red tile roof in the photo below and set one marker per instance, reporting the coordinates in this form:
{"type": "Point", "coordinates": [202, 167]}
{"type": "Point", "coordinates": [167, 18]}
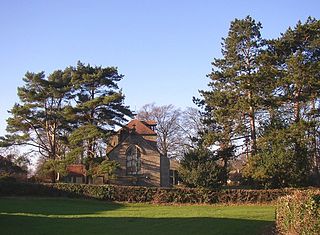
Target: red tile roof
{"type": "Point", "coordinates": [77, 169]}
{"type": "Point", "coordinates": [150, 122]}
{"type": "Point", "coordinates": [140, 128]}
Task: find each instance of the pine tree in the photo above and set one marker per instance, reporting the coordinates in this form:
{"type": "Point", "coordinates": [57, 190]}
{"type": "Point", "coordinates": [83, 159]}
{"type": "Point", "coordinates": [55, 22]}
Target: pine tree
{"type": "Point", "coordinates": [236, 92]}
{"type": "Point", "coordinates": [298, 53]}
{"type": "Point", "coordinates": [236, 84]}
{"type": "Point", "coordinates": [99, 107]}
{"type": "Point", "coordinates": [67, 115]}
{"type": "Point", "coordinates": [288, 143]}
{"type": "Point", "coordinates": [38, 121]}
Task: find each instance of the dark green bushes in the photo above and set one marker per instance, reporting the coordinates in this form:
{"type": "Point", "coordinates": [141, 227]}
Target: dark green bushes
{"type": "Point", "coordinates": [7, 178]}
{"type": "Point", "coordinates": [299, 213]}
{"type": "Point", "coordinates": [141, 194]}
{"type": "Point", "coordinates": [199, 168]}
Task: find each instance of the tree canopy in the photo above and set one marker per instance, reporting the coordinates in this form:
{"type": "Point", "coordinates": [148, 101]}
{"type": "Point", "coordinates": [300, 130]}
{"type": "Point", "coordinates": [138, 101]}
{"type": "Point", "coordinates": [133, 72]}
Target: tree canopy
{"type": "Point", "coordinates": [69, 115]}
{"type": "Point", "coordinates": [263, 102]}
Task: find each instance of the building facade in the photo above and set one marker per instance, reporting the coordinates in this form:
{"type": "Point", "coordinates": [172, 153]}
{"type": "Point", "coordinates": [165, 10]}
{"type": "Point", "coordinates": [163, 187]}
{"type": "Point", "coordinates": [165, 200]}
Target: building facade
{"type": "Point", "coordinates": [134, 147]}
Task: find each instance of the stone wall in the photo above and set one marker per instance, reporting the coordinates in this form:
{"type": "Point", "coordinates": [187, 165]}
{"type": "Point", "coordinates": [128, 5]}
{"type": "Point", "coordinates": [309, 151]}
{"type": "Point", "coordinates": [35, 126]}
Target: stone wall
{"type": "Point", "coordinates": [150, 162]}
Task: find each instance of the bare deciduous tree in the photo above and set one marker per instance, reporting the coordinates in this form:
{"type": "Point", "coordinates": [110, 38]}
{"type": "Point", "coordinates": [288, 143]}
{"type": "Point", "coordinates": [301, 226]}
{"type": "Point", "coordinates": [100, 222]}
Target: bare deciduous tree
{"type": "Point", "coordinates": [168, 127]}
{"type": "Point", "coordinates": [191, 127]}
{"type": "Point", "coordinates": [177, 130]}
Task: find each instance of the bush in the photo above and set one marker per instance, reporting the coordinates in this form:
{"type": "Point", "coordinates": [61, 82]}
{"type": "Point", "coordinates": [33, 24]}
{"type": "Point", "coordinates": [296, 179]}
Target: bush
{"type": "Point", "coordinates": [7, 178]}
{"type": "Point", "coordinates": [141, 194]}
{"type": "Point", "coordinates": [199, 168]}
{"type": "Point", "coordinates": [299, 213]}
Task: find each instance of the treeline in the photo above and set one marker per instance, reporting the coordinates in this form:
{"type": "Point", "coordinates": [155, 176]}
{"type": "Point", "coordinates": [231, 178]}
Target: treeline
{"type": "Point", "coordinates": [263, 103]}
{"type": "Point", "coordinates": [67, 117]}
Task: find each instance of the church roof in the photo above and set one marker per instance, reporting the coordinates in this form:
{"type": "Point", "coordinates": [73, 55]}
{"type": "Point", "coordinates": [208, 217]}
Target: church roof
{"type": "Point", "coordinates": [150, 122]}
{"type": "Point", "coordinates": [140, 128]}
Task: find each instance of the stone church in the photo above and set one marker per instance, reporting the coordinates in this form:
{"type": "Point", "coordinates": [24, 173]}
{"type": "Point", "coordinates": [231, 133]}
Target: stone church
{"type": "Point", "coordinates": [135, 147]}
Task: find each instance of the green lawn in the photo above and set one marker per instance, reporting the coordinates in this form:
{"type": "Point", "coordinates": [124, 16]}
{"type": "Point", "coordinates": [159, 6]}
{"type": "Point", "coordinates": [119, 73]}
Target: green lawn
{"type": "Point", "coordinates": [68, 216]}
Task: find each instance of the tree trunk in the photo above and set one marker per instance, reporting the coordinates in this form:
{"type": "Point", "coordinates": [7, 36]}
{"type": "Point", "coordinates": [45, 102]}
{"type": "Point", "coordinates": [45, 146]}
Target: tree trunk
{"type": "Point", "coordinates": [296, 112]}
{"type": "Point", "coordinates": [53, 176]}
{"type": "Point", "coordinates": [252, 127]}
{"type": "Point", "coordinates": [58, 177]}
{"type": "Point", "coordinates": [253, 132]}
{"type": "Point", "coordinates": [296, 106]}
{"type": "Point", "coordinates": [315, 167]}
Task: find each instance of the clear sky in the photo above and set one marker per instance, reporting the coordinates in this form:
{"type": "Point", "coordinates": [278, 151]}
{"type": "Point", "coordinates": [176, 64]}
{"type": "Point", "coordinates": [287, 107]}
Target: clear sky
{"type": "Point", "coordinates": [163, 47]}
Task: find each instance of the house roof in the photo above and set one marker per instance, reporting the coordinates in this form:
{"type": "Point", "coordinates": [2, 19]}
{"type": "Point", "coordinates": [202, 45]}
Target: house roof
{"type": "Point", "coordinates": [76, 169]}
{"type": "Point", "coordinates": [140, 128]}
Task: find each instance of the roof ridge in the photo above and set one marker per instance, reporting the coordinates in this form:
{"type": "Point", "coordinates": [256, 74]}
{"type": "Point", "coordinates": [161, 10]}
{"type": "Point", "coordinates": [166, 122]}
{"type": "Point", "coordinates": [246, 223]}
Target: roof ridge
{"type": "Point", "coordinates": [140, 127]}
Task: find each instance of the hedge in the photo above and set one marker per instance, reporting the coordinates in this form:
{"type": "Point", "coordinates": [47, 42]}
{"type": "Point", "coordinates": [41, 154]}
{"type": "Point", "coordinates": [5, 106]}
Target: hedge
{"type": "Point", "coordinates": [299, 213]}
{"type": "Point", "coordinates": [142, 194]}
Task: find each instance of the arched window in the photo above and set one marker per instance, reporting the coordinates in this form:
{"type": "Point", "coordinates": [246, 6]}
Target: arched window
{"type": "Point", "coordinates": [133, 160]}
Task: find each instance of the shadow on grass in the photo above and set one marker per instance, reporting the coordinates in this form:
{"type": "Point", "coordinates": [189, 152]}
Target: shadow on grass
{"type": "Point", "coordinates": [55, 206]}
{"type": "Point", "coordinates": [17, 224]}
{"type": "Point", "coordinates": [48, 216]}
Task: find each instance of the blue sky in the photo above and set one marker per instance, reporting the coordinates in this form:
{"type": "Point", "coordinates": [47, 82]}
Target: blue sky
{"type": "Point", "coordinates": [164, 48]}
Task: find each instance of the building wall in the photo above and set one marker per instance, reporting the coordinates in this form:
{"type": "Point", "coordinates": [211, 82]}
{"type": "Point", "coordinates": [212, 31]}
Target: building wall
{"type": "Point", "coordinates": [150, 162]}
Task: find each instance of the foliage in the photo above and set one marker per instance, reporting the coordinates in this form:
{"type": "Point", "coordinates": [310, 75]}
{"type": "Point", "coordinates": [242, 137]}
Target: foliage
{"type": "Point", "coordinates": [296, 55]}
{"type": "Point", "coordinates": [7, 177]}
{"type": "Point", "coordinates": [99, 107]}
{"type": "Point", "coordinates": [106, 168]}
{"type": "Point", "coordinates": [198, 168]}
{"type": "Point", "coordinates": [10, 168]}
{"type": "Point", "coordinates": [299, 213]}
{"type": "Point", "coordinates": [277, 164]}
{"type": "Point", "coordinates": [142, 194]}
{"type": "Point", "coordinates": [263, 102]}
{"type": "Point", "coordinates": [57, 167]}
{"type": "Point", "coordinates": [38, 120]}
{"type": "Point", "coordinates": [67, 116]}
{"type": "Point", "coordinates": [231, 104]}
{"type": "Point", "coordinates": [236, 86]}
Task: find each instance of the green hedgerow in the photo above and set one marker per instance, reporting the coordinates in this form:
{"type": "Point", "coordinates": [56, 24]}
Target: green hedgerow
{"type": "Point", "coordinates": [299, 213]}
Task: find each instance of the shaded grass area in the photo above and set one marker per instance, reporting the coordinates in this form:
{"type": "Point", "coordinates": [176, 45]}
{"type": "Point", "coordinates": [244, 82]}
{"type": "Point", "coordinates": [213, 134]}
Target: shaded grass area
{"type": "Point", "coordinates": [66, 216]}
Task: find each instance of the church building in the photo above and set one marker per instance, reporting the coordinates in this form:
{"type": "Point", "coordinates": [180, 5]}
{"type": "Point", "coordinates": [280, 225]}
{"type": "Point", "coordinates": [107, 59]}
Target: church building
{"type": "Point", "coordinates": [135, 147]}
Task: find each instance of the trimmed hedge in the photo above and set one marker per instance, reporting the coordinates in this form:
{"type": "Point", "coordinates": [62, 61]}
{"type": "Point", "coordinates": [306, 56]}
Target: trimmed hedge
{"type": "Point", "coordinates": [142, 194]}
{"type": "Point", "coordinates": [299, 213]}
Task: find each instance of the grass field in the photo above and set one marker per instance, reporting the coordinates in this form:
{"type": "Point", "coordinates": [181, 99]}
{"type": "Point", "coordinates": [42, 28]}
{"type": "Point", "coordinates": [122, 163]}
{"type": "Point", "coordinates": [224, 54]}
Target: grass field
{"type": "Point", "coordinates": [69, 216]}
